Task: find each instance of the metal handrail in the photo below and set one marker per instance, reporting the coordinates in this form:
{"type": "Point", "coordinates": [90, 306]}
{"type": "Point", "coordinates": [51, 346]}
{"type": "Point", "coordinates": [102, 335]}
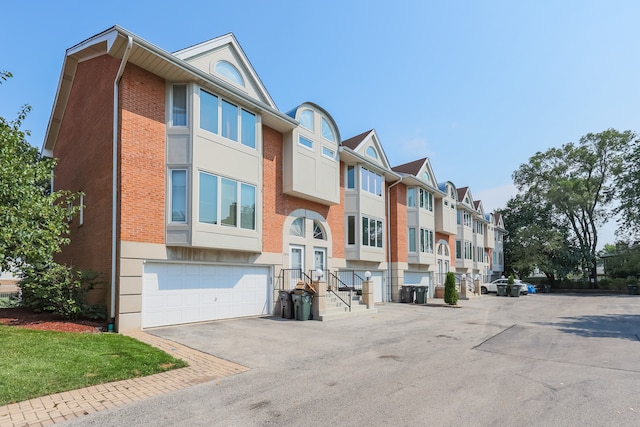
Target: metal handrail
{"type": "Point", "coordinates": [339, 289]}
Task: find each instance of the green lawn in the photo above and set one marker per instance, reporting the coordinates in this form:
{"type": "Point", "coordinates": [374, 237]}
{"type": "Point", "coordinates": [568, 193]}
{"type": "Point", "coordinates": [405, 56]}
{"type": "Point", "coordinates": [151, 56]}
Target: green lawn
{"type": "Point", "coordinates": [37, 363]}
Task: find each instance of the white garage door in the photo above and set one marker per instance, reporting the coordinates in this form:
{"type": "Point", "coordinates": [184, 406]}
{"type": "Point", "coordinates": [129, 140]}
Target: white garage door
{"type": "Point", "coordinates": [183, 293]}
{"type": "Point", "coordinates": [419, 279]}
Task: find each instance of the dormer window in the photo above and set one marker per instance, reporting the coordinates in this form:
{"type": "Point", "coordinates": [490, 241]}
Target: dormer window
{"type": "Point", "coordinates": [227, 70]}
{"type": "Point", "coordinates": [425, 177]}
{"type": "Point", "coordinates": [371, 152]}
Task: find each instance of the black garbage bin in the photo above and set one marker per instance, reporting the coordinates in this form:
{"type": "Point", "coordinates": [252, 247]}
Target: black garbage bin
{"type": "Point", "coordinates": [633, 289]}
{"type": "Point", "coordinates": [286, 304]}
{"type": "Point", "coordinates": [501, 290]}
{"type": "Point", "coordinates": [406, 294]}
{"type": "Point", "coordinates": [421, 294]}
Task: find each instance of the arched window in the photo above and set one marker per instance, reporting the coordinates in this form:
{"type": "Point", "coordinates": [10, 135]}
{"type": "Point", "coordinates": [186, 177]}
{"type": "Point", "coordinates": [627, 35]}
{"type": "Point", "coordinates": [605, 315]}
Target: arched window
{"type": "Point", "coordinates": [318, 231]}
{"type": "Point", "coordinates": [297, 227]}
{"type": "Point", "coordinates": [426, 177]}
{"type": "Point", "coordinates": [371, 152]}
{"type": "Point", "coordinates": [327, 131]}
{"type": "Point", "coordinates": [226, 69]}
{"type": "Point", "coordinates": [306, 119]}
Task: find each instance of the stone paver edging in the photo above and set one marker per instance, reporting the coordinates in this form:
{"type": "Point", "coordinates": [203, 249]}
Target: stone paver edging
{"type": "Point", "coordinates": [51, 409]}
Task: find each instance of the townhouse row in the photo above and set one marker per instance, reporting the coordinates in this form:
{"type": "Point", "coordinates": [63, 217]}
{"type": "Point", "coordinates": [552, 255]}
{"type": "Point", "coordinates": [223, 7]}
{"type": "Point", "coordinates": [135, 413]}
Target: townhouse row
{"type": "Point", "coordinates": [201, 200]}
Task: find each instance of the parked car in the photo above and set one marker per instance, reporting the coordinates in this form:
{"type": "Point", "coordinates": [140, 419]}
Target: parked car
{"type": "Point", "coordinates": [492, 287]}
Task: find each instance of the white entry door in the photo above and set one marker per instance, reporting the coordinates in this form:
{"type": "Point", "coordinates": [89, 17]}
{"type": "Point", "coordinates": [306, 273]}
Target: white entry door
{"type": "Point", "coordinates": [296, 263]}
{"type": "Point", "coordinates": [319, 259]}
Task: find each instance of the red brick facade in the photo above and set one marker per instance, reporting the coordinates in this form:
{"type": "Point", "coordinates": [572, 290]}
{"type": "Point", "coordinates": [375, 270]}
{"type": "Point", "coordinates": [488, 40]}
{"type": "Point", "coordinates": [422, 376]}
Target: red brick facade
{"type": "Point", "coordinates": [142, 156]}
{"type": "Point", "coordinates": [277, 206]}
{"type": "Point", "coordinates": [398, 211]}
{"type": "Point", "coordinates": [84, 149]}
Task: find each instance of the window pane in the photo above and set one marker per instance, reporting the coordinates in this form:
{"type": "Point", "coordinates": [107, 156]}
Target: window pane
{"type": "Point", "coordinates": [208, 207]}
{"type": "Point", "coordinates": [421, 240]}
{"type": "Point", "coordinates": [318, 232]}
{"type": "Point", "coordinates": [297, 227]}
{"type": "Point", "coordinates": [365, 231]}
{"type": "Point", "coordinates": [328, 153]}
{"type": "Point", "coordinates": [379, 234]}
{"type": "Point", "coordinates": [306, 119]}
{"type": "Point", "coordinates": [351, 177]}
{"type": "Point", "coordinates": [305, 141]}
{"type": "Point", "coordinates": [327, 132]}
{"type": "Point", "coordinates": [229, 120]}
{"type": "Point", "coordinates": [179, 109]}
{"type": "Point", "coordinates": [372, 232]}
{"type": "Point", "coordinates": [364, 179]}
{"type": "Point", "coordinates": [248, 209]}
{"type": "Point", "coordinates": [178, 195]}
{"type": "Point", "coordinates": [248, 129]}
{"type": "Point", "coordinates": [412, 240]}
{"type": "Point", "coordinates": [208, 111]}
{"type": "Point", "coordinates": [351, 230]}
{"type": "Point", "coordinates": [378, 184]}
{"type": "Point", "coordinates": [411, 197]}
{"type": "Point", "coordinates": [229, 202]}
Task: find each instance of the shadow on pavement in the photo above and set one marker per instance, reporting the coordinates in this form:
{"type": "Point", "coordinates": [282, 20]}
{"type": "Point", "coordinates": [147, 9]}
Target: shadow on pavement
{"type": "Point", "coordinates": [623, 326]}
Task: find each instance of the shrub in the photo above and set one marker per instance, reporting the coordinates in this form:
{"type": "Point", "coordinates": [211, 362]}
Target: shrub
{"type": "Point", "coordinates": [59, 289]}
{"type": "Point", "coordinates": [450, 293]}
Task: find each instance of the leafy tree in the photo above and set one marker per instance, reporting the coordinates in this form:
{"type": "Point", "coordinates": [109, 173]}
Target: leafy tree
{"type": "Point", "coordinates": [536, 239]}
{"type": "Point", "coordinates": [577, 181]}
{"type": "Point", "coordinates": [450, 292]}
{"type": "Point", "coordinates": [33, 220]}
{"type": "Point", "coordinates": [628, 185]}
{"type": "Point", "coordinates": [621, 260]}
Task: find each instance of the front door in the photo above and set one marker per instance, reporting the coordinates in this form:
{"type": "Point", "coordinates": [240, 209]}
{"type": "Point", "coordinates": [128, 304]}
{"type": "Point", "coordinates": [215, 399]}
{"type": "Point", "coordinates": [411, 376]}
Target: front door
{"type": "Point", "coordinates": [320, 260]}
{"type": "Point", "coordinates": [296, 263]}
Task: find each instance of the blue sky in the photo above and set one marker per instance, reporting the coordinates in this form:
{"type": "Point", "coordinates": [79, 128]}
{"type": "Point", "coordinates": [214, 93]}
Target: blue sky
{"type": "Point", "coordinates": [477, 86]}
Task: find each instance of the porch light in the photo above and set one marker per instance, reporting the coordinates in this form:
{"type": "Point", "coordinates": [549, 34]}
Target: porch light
{"type": "Point", "coordinates": [464, 277]}
{"type": "Point", "coordinates": [477, 277]}
{"type": "Point", "coordinates": [319, 274]}
{"type": "Point", "coordinates": [367, 275]}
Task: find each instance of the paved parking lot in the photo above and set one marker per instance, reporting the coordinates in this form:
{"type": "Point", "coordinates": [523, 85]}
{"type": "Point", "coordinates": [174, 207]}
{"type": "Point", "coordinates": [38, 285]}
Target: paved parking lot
{"type": "Point", "coordinates": [543, 359]}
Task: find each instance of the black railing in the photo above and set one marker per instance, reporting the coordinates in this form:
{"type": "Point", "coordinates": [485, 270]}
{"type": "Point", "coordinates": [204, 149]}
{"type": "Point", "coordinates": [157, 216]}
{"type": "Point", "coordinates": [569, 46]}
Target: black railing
{"type": "Point", "coordinates": [351, 280]}
{"type": "Point", "coordinates": [289, 278]}
{"type": "Point", "coordinates": [340, 289]}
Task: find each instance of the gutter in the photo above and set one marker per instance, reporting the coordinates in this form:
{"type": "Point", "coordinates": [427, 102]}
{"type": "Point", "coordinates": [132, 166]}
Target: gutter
{"type": "Point", "coordinates": [389, 293]}
{"type": "Point", "coordinates": [114, 200]}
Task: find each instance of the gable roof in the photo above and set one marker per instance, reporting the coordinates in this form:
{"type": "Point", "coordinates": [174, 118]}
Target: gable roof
{"type": "Point", "coordinates": [411, 168]}
{"type": "Point", "coordinates": [210, 49]}
{"type": "Point", "coordinates": [120, 43]}
{"type": "Point", "coordinates": [412, 172]}
{"type": "Point", "coordinates": [354, 149]}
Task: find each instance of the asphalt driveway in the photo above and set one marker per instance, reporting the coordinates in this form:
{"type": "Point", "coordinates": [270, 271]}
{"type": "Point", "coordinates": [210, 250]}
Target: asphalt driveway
{"type": "Point", "coordinates": [535, 360]}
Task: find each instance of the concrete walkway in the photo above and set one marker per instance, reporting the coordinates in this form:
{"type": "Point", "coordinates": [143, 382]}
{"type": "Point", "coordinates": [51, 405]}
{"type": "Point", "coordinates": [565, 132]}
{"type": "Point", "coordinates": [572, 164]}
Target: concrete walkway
{"type": "Point", "coordinates": [55, 408]}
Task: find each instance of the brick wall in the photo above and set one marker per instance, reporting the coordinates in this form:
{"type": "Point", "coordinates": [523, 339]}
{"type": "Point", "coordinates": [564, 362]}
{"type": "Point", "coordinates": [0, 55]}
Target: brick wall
{"type": "Point", "coordinates": [142, 156]}
{"type": "Point", "coordinates": [84, 150]}
{"type": "Point", "coordinates": [277, 206]}
{"type": "Point", "coordinates": [398, 211]}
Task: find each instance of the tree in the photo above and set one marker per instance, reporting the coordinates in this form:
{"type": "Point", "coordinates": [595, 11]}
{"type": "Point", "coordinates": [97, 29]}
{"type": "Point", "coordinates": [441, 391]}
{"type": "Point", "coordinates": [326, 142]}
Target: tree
{"type": "Point", "coordinates": [628, 185]}
{"type": "Point", "coordinates": [578, 182]}
{"type": "Point", "coordinates": [450, 292]}
{"type": "Point", "coordinates": [34, 220]}
{"type": "Point", "coordinates": [536, 239]}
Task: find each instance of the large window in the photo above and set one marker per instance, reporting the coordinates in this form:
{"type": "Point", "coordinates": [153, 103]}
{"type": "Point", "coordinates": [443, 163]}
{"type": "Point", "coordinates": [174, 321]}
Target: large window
{"type": "Point", "coordinates": [351, 230]}
{"type": "Point", "coordinates": [468, 251]}
{"type": "Point", "coordinates": [426, 200]}
{"type": "Point", "coordinates": [178, 195]}
{"type": "Point", "coordinates": [371, 232]}
{"type": "Point", "coordinates": [411, 197]}
{"type": "Point", "coordinates": [458, 249]}
{"type": "Point", "coordinates": [227, 119]}
{"type": "Point", "coordinates": [219, 200]}
{"type": "Point", "coordinates": [426, 241]}
{"type": "Point", "coordinates": [179, 107]}
{"type": "Point", "coordinates": [371, 182]}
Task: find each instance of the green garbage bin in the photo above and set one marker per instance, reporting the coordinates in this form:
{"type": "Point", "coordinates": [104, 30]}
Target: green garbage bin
{"type": "Point", "coordinates": [302, 305]}
{"type": "Point", "coordinates": [633, 289]}
{"type": "Point", "coordinates": [501, 290]}
{"type": "Point", "coordinates": [513, 290]}
{"type": "Point", "coordinates": [421, 294]}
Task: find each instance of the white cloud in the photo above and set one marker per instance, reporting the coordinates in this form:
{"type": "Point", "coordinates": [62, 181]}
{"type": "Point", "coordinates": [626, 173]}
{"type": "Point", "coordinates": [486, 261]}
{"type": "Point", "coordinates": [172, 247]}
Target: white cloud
{"type": "Point", "coordinates": [495, 198]}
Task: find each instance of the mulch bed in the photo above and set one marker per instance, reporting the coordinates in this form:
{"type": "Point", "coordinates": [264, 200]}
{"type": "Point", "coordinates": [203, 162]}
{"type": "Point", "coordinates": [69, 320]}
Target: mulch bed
{"type": "Point", "coordinates": [24, 318]}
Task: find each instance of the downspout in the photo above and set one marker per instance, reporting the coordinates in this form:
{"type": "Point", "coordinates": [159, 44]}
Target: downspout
{"type": "Point", "coordinates": [389, 293]}
{"type": "Point", "coordinates": [114, 190]}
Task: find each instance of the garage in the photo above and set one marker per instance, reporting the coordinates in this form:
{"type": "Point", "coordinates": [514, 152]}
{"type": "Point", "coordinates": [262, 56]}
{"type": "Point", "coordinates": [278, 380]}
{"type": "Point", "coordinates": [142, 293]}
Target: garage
{"type": "Point", "coordinates": [419, 279]}
{"type": "Point", "coordinates": [377, 279]}
{"type": "Point", "coordinates": [174, 293]}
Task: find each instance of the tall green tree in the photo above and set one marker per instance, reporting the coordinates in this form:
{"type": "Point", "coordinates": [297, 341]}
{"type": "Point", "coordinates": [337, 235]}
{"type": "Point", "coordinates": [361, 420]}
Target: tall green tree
{"type": "Point", "coordinates": [536, 239]}
{"type": "Point", "coordinates": [628, 185]}
{"type": "Point", "coordinates": [33, 220]}
{"type": "Point", "coordinates": [577, 181]}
